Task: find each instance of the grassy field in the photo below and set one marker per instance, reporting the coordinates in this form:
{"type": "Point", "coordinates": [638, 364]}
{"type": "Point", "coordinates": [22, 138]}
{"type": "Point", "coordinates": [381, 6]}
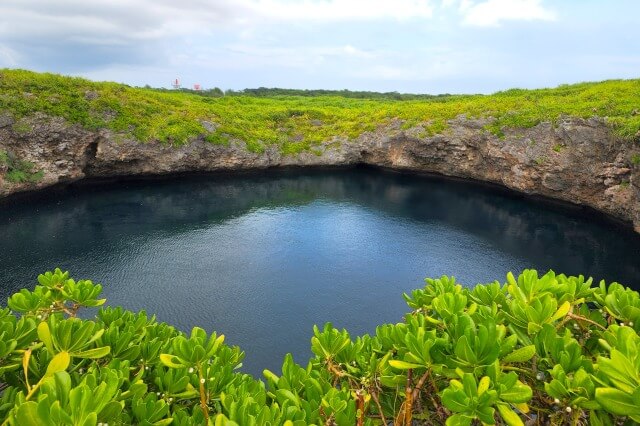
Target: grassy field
{"type": "Point", "coordinates": [295, 123]}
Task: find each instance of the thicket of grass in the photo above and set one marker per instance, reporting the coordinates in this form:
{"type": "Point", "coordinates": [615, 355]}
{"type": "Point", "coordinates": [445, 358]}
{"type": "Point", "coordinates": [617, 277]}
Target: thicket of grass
{"type": "Point", "coordinates": [296, 124]}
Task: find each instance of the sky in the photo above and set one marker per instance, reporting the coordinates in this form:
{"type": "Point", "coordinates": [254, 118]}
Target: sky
{"type": "Point", "coordinates": [414, 46]}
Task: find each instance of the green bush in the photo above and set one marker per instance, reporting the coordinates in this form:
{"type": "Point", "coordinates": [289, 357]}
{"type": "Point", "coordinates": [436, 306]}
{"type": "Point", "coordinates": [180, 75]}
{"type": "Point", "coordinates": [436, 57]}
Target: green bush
{"type": "Point", "coordinates": [300, 123]}
{"type": "Point", "coordinates": [19, 171]}
{"type": "Point", "coordinates": [545, 349]}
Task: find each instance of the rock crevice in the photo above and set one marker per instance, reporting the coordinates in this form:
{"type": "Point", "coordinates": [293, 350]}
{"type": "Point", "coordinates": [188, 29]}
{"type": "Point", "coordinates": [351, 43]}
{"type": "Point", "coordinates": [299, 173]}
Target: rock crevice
{"type": "Point", "coordinates": [576, 160]}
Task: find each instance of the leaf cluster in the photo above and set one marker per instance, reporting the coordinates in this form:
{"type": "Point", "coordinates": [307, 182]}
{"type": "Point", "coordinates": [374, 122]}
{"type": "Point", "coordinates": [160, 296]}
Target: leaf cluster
{"type": "Point", "coordinates": [548, 349]}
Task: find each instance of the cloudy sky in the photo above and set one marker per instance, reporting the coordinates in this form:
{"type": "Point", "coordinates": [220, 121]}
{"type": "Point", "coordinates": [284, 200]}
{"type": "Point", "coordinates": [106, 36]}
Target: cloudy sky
{"type": "Point", "coordinates": [420, 46]}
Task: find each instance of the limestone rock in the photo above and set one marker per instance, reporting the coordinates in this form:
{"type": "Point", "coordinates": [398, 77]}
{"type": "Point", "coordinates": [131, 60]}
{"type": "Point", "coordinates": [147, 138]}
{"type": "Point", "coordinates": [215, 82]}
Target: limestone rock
{"type": "Point", "coordinates": [579, 161]}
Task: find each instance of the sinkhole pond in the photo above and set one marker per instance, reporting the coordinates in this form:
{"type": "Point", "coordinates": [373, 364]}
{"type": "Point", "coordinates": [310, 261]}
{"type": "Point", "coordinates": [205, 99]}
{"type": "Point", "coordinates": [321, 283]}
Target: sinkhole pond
{"type": "Point", "coordinates": [261, 257]}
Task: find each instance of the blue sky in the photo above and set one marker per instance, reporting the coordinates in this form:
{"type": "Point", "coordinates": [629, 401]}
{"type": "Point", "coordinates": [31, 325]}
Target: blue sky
{"type": "Point", "coordinates": [420, 46]}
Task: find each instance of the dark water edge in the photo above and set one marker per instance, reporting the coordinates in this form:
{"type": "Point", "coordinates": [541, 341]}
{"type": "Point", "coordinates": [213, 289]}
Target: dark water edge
{"type": "Point", "coordinates": [262, 256]}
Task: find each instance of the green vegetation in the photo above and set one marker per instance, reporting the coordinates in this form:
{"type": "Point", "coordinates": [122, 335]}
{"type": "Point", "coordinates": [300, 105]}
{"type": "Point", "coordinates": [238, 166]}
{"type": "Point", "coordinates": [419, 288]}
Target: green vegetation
{"type": "Point", "coordinates": [545, 350]}
{"type": "Point", "coordinates": [19, 171]}
{"type": "Point", "coordinates": [358, 94]}
{"type": "Point", "coordinates": [268, 92]}
{"type": "Point", "coordinates": [263, 118]}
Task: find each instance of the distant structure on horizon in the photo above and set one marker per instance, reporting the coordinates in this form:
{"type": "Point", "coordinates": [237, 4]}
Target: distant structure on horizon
{"type": "Point", "coordinates": [176, 84]}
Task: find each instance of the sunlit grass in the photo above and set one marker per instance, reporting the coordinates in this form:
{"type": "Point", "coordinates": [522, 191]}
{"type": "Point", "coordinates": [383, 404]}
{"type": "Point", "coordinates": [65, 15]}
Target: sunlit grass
{"type": "Point", "coordinates": [296, 124]}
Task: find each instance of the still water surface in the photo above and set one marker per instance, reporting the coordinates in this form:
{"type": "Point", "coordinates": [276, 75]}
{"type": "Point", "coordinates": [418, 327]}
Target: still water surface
{"type": "Point", "coordinates": [263, 257]}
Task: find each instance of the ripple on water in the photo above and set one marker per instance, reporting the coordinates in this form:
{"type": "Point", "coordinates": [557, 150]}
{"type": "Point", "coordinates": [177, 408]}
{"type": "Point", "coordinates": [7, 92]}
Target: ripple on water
{"type": "Point", "coordinates": [261, 258]}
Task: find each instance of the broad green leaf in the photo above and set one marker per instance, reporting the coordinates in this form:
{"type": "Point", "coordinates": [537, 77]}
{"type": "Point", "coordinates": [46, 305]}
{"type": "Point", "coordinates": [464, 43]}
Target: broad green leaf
{"type": "Point", "coordinates": [92, 353]}
{"type": "Point", "coordinates": [455, 400]}
{"type": "Point", "coordinates": [25, 362]}
{"type": "Point", "coordinates": [44, 334]}
{"type": "Point", "coordinates": [483, 385]}
{"type": "Point", "coordinates": [617, 402]}
{"type": "Point", "coordinates": [517, 394]}
{"type": "Point", "coordinates": [91, 419]}
{"type": "Point", "coordinates": [556, 389]}
{"type": "Point", "coordinates": [520, 355]}
{"type": "Point", "coordinates": [561, 312]}
{"type": "Point", "coordinates": [171, 361]}
{"type": "Point", "coordinates": [60, 362]}
{"type": "Point", "coordinates": [533, 328]}
{"type": "Point", "coordinates": [459, 420]}
{"type": "Point", "coordinates": [27, 414]}
{"type": "Point", "coordinates": [270, 376]}
{"type": "Point", "coordinates": [509, 416]}
{"type": "Point", "coordinates": [287, 394]}
{"type": "Point", "coordinates": [403, 365]}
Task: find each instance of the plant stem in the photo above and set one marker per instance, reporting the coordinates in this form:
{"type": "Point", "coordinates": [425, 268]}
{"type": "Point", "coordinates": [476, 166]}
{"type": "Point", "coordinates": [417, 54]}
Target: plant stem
{"type": "Point", "coordinates": [360, 408]}
{"type": "Point", "coordinates": [203, 395]}
{"type": "Point", "coordinates": [420, 383]}
{"type": "Point", "coordinates": [374, 395]}
{"type": "Point", "coordinates": [408, 408]}
{"type": "Point", "coordinates": [581, 318]}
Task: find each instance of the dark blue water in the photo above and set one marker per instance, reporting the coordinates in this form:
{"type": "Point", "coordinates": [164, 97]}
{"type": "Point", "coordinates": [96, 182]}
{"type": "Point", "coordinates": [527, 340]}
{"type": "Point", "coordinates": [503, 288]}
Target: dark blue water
{"type": "Point", "coordinates": [263, 257]}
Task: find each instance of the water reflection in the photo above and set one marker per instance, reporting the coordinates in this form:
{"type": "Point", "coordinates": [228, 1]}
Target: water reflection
{"type": "Point", "coordinates": [262, 257]}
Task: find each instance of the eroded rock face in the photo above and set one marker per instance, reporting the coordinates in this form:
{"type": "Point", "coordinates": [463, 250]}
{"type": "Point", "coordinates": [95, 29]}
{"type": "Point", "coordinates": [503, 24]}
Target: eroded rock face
{"type": "Point", "coordinates": [577, 160]}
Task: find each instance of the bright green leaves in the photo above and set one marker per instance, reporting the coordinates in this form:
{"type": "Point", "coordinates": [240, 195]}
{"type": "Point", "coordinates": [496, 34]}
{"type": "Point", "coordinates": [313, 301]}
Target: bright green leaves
{"type": "Point", "coordinates": [26, 301]}
{"type": "Point", "coordinates": [423, 298]}
{"type": "Point", "coordinates": [470, 399]}
{"type": "Point", "coordinates": [44, 334]}
{"type": "Point", "coordinates": [151, 411]}
{"type": "Point", "coordinates": [621, 370]}
{"type": "Point", "coordinates": [172, 361]}
{"type": "Point", "coordinates": [418, 346]}
{"type": "Point", "coordinates": [330, 342]}
{"type": "Point", "coordinates": [16, 335]}
{"type": "Point", "coordinates": [575, 390]}
{"type": "Point", "coordinates": [620, 403]}
{"type": "Point", "coordinates": [522, 354]}
{"type": "Point", "coordinates": [193, 351]}
{"type": "Point", "coordinates": [57, 293]}
{"type": "Point", "coordinates": [460, 357]}
{"type": "Point", "coordinates": [74, 336]}
{"type": "Point", "coordinates": [623, 304]}
{"type": "Point", "coordinates": [509, 416]}
{"type": "Point", "coordinates": [60, 362]}
{"type": "Point", "coordinates": [465, 400]}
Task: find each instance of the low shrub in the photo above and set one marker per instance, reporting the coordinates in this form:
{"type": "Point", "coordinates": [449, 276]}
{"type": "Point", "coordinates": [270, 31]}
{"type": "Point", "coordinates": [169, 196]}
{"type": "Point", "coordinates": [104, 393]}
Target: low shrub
{"type": "Point", "coordinates": [19, 171]}
{"type": "Point", "coordinates": [280, 119]}
{"type": "Point", "coordinates": [545, 349]}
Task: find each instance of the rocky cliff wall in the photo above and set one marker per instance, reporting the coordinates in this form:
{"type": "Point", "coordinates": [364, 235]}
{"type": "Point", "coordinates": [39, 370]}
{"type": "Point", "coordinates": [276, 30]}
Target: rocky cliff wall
{"type": "Point", "coordinates": [578, 161]}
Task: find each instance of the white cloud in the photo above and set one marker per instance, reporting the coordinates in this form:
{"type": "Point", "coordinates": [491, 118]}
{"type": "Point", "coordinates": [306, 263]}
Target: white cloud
{"type": "Point", "coordinates": [341, 10]}
{"type": "Point", "coordinates": [244, 55]}
{"type": "Point", "coordinates": [491, 12]}
{"type": "Point", "coordinates": [122, 31]}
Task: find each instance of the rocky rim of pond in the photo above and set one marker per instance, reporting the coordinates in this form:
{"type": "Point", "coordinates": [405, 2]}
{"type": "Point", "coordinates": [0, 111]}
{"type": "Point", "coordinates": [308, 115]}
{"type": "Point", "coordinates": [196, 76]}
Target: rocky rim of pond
{"type": "Point", "coordinates": [576, 160]}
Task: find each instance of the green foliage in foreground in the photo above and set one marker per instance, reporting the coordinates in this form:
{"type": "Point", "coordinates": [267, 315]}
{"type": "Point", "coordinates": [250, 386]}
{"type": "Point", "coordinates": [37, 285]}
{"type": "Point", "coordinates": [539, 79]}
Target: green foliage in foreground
{"type": "Point", "coordinates": [541, 350]}
{"type": "Point", "coordinates": [19, 171]}
{"type": "Point", "coordinates": [299, 123]}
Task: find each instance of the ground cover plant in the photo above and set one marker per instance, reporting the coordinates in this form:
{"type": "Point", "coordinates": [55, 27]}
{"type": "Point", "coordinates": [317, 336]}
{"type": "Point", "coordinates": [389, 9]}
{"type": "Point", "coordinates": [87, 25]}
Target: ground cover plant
{"type": "Point", "coordinates": [547, 349]}
{"type": "Point", "coordinates": [19, 171]}
{"type": "Point", "coordinates": [298, 123]}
